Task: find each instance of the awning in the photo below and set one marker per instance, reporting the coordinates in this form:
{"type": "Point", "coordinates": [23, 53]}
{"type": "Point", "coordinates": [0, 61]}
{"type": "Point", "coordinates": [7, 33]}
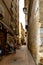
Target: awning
{"type": "Point", "coordinates": [9, 30]}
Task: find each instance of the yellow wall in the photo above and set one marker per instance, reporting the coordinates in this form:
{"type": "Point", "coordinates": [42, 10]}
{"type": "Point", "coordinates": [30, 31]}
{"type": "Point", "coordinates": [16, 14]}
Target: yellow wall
{"type": "Point", "coordinates": [34, 31]}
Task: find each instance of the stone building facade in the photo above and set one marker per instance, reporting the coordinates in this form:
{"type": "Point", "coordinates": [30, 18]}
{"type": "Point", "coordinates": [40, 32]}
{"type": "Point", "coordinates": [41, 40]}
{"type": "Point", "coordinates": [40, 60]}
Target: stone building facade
{"type": "Point", "coordinates": [21, 33]}
{"type": "Point", "coordinates": [10, 12]}
{"type": "Point", "coordinates": [35, 29]}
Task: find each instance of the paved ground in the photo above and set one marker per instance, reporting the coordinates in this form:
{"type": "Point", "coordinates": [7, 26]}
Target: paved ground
{"type": "Point", "coordinates": [22, 57]}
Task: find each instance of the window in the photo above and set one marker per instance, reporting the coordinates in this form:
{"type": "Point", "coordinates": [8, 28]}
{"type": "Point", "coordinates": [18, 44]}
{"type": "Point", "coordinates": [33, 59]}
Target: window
{"type": "Point", "coordinates": [37, 6]}
{"type": "Point", "coordinates": [41, 30]}
{"type": "Point", "coordinates": [2, 14]}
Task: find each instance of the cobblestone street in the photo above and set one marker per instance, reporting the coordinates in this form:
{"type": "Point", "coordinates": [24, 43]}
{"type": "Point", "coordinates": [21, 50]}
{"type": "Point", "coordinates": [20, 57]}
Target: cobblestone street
{"type": "Point", "coordinates": [22, 57]}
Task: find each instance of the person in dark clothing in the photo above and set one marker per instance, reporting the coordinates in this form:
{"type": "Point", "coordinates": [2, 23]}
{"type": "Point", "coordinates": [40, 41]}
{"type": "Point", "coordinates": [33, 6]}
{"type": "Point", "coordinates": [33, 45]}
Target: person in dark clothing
{"type": "Point", "coordinates": [15, 45]}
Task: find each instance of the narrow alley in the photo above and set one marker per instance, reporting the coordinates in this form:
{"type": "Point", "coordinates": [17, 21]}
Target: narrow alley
{"type": "Point", "coordinates": [21, 32]}
{"type": "Point", "coordinates": [22, 57]}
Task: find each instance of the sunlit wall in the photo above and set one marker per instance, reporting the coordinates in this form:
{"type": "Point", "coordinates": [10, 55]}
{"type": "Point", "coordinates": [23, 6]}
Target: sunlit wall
{"type": "Point", "coordinates": [21, 13]}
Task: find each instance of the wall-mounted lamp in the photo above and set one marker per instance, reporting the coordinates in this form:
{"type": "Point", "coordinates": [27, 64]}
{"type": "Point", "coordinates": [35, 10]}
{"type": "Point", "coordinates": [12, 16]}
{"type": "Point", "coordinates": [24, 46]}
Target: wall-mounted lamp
{"type": "Point", "coordinates": [25, 10]}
